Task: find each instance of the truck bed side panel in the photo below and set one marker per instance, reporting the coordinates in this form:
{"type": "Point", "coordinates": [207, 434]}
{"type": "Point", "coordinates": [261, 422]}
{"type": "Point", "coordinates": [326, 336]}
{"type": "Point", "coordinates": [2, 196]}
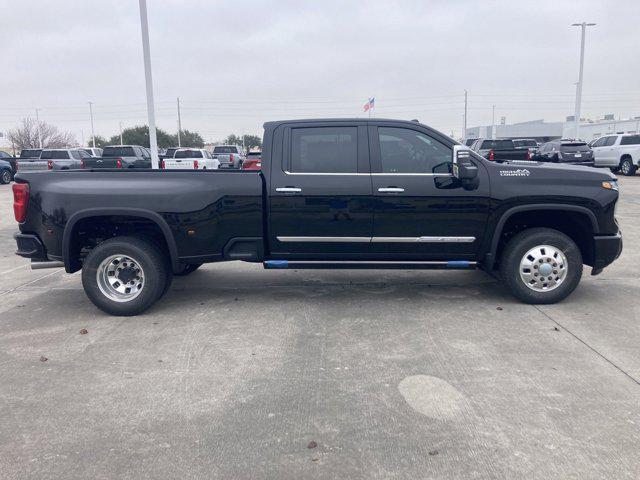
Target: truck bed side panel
{"type": "Point", "coordinates": [203, 209]}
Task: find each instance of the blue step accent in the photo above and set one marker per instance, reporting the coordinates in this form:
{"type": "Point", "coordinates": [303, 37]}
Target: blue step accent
{"type": "Point", "coordinates": [458, 264]}
{"type": "Point", "coordinates": [276, 264]}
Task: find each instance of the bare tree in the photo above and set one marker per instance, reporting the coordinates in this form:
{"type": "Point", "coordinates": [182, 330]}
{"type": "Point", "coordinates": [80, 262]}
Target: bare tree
{"type": "Point", "coordinates": [26, 135]}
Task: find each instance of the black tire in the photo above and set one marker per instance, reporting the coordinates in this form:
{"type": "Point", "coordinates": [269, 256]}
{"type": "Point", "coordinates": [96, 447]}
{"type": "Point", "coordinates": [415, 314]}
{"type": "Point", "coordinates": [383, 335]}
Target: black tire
{"type": "Point", "coordinates": [527, 240]}
{"type": "Point", "coordinates": [152, 262]}
{"type": "Point", "coordinates": [5, 177]}
{"type": "Point", "coordinates": [187, 268]}
{"type": "Point", "coordinates": [627, 168]}
{"type": "Point", "coordinates": [614, 169]}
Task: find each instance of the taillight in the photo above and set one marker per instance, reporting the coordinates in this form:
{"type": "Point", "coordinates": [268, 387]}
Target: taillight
{"type": "Point", "coordinates": [20, 201]}
{"type": "Point", "coordinates": [162, 163]}
{"type": "Point", "coordinates": [231, 158]}
{"type": "Point", "coordinates": [118, 163]}
{"type": "Point", "coordinates": [195, 164]}
{"type": "Point", "coordinates": [491, 155]}
{"type": "Point", "coordinates": [528, 154]}
{"type": "Point", "coordinates": [49, 165]}
{"type": "Point", "coordinates": [81, 163]}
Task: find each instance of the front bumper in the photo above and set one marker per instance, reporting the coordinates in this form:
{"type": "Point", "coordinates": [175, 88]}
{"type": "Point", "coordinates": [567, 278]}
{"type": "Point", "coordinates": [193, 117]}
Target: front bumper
{"type": "Point", "coordinates": [606, 249]}
{"type": "Point", "coordinates": [30, 246]}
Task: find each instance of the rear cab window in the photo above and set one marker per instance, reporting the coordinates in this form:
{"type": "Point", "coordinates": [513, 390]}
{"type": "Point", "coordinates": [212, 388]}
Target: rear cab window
{"type": "Point", "coordinates": [324, 150]}
{"type": "Point", "coordinates": [497, 145]}
{"type": "Point", "coordinates": [54, 155]}
{"type": "Point", "coordinates": [225, 149]}
{"type": "Point", "coordinates": [118, 152]}
{"type": "Point", "coordinates": [188, 154]}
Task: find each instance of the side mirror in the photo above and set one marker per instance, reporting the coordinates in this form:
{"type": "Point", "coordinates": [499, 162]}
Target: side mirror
{"type": "Point", "coordinates": [463, 167]}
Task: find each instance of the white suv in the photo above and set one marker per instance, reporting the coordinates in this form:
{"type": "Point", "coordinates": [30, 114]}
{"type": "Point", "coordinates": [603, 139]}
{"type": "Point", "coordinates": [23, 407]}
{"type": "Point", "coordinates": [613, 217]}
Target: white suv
{"type": "Point", "coordinates": [619, 152]}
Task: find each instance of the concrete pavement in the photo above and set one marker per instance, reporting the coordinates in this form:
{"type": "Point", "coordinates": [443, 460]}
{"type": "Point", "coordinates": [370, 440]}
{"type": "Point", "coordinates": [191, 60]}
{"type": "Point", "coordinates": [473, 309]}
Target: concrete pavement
{"type": "Point", "coordinates": [416, 374]}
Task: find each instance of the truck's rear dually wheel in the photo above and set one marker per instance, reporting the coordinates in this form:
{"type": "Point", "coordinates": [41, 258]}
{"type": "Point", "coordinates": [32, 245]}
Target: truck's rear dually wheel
{"type": "Point", "coordinates": [541, 265]}
{"type": "Point", "coordinates": [124, 275]}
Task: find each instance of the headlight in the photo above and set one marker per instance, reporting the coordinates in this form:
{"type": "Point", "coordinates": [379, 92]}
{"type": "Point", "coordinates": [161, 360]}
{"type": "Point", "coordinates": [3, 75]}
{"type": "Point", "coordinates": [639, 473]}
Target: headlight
{"type": "Point", "coordinates": [610, 185]}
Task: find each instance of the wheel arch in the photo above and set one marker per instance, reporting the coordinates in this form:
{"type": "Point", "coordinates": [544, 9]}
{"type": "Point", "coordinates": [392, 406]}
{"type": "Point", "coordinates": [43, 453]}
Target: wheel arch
{"type": "Point", "coordinates": [71, 264]}
{"type": "Point", "coordinates": [492, 256]}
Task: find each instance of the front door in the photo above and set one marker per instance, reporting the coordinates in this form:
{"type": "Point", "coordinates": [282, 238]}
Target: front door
{"type": "Point", "coordinates": [421, 211]}
{"type": "Point", "coordinates": [320, 193]}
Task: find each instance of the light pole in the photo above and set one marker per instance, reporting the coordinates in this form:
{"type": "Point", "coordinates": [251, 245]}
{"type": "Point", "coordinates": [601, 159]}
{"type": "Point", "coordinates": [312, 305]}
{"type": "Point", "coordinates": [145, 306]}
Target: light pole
{"type": "Point", "coordinates": [153, 141]}
{"type": "Point", "coordinates": [39, 132]}
{"type": "Point", "coordinates": [464, 133]}
{"type": "Point", "coordinates": [179, 124]}
{"type": "Point", "coordinates": [584, 26]}
{"type": "Point", "coordinates": [93, 136]}
{"type": "Point", "coordinates": [493, 122]}
{"type": "Point", "coordinates": [121, 133]}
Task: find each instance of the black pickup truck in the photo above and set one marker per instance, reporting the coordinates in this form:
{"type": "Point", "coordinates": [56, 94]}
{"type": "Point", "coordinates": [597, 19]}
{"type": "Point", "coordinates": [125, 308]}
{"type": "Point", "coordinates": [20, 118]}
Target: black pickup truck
{"type": "Point", "coordinates": [497, 150]}
{"type": "Point", "coordinates": [331, 194]}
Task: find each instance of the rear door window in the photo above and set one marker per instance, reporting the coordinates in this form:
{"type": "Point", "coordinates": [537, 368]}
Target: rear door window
{"type": "Point", "coordinates": [324, 150]}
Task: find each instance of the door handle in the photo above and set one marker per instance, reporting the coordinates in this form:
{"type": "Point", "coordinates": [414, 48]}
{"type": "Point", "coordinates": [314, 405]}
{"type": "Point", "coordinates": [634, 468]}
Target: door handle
{"type": "Point", "coordinates": [391, 190]}
{"type": "Point", "coordinates": [288, 189]}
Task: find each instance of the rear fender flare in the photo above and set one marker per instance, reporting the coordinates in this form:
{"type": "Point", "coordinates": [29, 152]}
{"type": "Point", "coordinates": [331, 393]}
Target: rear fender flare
{"type": "Point", "coordinates": [130, 212]}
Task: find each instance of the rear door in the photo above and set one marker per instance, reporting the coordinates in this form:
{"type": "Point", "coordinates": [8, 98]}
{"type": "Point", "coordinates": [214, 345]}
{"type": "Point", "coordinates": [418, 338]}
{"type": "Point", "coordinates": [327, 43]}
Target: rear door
{"type": "Point", "coordinates": [421, 212]}
{"type": "Point", "coordinates": [320, 191]}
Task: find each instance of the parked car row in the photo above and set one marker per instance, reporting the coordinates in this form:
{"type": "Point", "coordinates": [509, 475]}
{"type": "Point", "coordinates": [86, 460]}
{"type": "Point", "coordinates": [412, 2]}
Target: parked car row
{"type": "Point", "coordinates": [126, 156]}
{"type": "Point", "coordinates": [619, 152]}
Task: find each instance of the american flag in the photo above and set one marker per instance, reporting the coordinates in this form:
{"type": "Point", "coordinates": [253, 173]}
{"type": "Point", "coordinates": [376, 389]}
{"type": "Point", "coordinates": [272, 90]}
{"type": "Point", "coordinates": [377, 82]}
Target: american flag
{"type": "Point", "coordinates": [370, 104]}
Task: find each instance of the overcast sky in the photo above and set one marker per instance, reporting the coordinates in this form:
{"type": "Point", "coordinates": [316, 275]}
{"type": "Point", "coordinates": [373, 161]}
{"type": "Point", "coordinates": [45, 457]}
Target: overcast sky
{"type": "Point", "coordinates": [236, 64]}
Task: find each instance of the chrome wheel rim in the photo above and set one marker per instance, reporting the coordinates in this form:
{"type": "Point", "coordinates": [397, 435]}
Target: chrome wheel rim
{"type": "Point", "coordinates": [6, 176]}
{"type": "Point", "coordinates": [625, 167]}
{"type": "Point", "coordinates": [120, 278]}
{"type": "Point", "coordinates": [543, 268]}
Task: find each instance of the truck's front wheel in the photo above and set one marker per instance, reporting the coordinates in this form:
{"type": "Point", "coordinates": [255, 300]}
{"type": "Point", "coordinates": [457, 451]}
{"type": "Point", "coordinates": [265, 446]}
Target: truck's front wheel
{"type": "Point", "coordinates": [541, 266]}
{"type": "Point", "coordinates": [124, 275]}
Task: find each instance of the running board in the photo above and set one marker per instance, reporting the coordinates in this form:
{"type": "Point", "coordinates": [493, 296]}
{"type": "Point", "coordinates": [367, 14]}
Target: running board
{"type": "Point", "coordinates": [368, 265]}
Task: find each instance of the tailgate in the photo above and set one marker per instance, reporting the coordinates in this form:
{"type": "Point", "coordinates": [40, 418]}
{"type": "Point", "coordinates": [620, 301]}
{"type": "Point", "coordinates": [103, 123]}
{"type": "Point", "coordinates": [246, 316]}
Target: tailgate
{"type": "Point", "coordinates": [102, 162]}
{"type": "Point", "coordinates": [511, 154]}
{"type": "Point", "coordinates": [31, 165]}
{"type": "Point", "coordinates": [178, 163]}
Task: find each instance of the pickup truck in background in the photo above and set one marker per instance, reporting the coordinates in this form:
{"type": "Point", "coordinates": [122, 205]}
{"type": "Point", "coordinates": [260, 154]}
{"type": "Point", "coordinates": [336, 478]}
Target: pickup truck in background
{"type": "Point", "coordinates": [54, 159]}
{"type": "Point", "coordinates": [25, 155]}
{"type": "Point", "coordinates": [190, 159]}
{"type": "Point", "coordinates": [335, 193]}
{"type": "Point", "coordinates": [528, 144]}
{"type": "Point", "coordinates": [566, 151]}
{"type": "Point", "coordinates": [120, 156]}
{"type": "Point", "coordinates": [618, 152]}
{"type": "Point", "coordinates": [229, 156]}
{"type": "Point", "coordinates": [497, 150]}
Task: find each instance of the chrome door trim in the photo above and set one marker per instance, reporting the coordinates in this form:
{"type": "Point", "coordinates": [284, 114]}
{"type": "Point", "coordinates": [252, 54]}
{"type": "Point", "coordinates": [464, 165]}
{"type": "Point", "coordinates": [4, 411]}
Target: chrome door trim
{"type": "Point", "coordinates": [325, 239]}
{"type": "Point", "coordinates": [378, 174]}
{"type": "Point", "coordinates": [323, 173]}
{"type": "Point", "coordinates": [287, 239]}
{"type": "Point", "coordinates": [288, 189]}
{"type": "Point", "coordinates": [423, 239]}
{"type": "Point", "coordinates": [391, 189]}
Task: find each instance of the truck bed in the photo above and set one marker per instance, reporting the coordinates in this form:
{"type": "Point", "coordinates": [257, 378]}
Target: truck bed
{"type": "Point", "coordinates": [201, 210]}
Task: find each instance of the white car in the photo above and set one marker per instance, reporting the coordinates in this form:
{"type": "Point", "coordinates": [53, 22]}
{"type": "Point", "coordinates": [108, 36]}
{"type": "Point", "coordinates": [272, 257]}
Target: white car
{"type": "Point", "coordinates": [619, 152]}
{"type": "Point", "coordinates": [191, 159]}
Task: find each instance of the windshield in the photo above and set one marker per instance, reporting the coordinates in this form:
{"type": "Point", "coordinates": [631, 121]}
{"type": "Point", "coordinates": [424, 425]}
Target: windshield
{"type": "Point", "coordinates": [498, 144]}
{"type": "Point", "coordinates": [225, 149]}
{"type": "Point", "coordinates": [525, 143]}
{"type": "Point", "coordinates": [574, 147]}
{"type": "Point", "coordinates": [35, 153]}
{"type": "Point", "coordinates": [188, 154]}
{"type": "Point", "coordinates": [118, 152]}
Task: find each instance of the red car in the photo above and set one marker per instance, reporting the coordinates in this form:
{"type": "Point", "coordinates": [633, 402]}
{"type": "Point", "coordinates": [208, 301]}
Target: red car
{"type": "Point", "coordinates": [253, 161]}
